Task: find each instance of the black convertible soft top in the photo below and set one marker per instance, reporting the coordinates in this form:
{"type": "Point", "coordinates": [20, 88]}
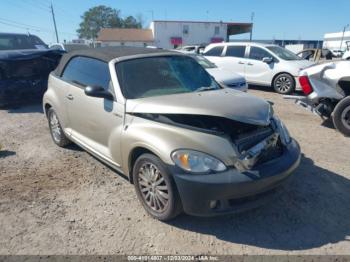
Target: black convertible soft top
{"type": "Point", "coordinates": [107, 54]}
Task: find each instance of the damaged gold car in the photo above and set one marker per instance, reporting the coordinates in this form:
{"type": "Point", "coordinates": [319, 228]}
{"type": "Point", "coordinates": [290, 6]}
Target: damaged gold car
{"type": "Point", "coordinates": [185, 142]}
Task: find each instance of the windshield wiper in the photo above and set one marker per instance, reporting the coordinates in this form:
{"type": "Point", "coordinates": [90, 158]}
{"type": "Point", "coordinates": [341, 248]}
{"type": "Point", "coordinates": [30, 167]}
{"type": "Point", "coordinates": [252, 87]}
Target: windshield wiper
{"type": "Point", "coordinates": [205, 88]}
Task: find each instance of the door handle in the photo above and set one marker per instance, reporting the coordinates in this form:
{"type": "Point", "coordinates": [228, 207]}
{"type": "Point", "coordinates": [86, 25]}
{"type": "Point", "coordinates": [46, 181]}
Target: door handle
{"type": "Point", "coordinates": [241, 63]}
{"type": "Point", "coordinates": [250, 64]}
{"type": "Point", "coordinates": [70, 97]}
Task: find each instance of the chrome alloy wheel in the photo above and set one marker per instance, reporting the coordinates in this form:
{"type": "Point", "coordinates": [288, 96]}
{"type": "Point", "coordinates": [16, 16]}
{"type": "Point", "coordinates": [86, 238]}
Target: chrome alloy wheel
{"type": "Point", "coordinates": [55, 127]}
{"type": "Point", "coordinates": [153, 187]}
{"type": "Point", "coordinates": [345, 117]}
{"type": "Point", "coordinates": [283, 84]}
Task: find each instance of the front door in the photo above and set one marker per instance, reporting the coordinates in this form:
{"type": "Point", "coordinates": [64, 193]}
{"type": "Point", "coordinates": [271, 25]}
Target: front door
{"type": "Point", "coordinates": [257, 71]}
{"type": "Point", "coordinates": [234, 59]}
{"type": "Point", "coordinates": [93, 121]}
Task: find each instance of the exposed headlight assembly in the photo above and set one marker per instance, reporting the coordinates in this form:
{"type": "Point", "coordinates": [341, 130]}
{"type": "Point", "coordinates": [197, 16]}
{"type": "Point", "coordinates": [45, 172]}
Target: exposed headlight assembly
{"type": "Point", "coordinates": [197, 162]}
{"type": "Point", "coordinates": [283, 131]}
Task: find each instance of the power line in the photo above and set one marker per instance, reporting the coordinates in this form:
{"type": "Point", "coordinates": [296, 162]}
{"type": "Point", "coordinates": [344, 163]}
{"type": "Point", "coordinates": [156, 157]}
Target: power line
{"type": "Point", "coordinates": [21, 24]}
{"type": "Point", "coordinates": [35, 4]}
{"type": "Point", "coordinates": [17, 26]}
{"type": "Point", "coordinates": [45, 6]}
{"type": "Point", "coordinates": [27, 26]}
{"type": "Point", "coordinates": [16, 4]}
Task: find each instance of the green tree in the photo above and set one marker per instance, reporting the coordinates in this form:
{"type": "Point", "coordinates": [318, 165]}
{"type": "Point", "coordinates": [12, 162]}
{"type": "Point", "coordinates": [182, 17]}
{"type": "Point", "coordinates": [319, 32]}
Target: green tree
{"type": "Point", "coordinates": [105, 17]}
{"type": "Point", "coordinates": [96, 18]}
{"type": "Point", "coordinates": [131, 22]}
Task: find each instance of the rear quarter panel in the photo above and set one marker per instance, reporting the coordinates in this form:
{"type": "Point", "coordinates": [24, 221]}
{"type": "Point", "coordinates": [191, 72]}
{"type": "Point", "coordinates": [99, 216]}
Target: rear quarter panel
{"type": "Point", "coordinates": [55, 96]}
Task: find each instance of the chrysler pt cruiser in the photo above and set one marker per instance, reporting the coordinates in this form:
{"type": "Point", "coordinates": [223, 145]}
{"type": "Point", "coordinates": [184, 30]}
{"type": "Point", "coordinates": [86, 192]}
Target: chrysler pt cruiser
{"type": "Point", "coordinates": [185, 142]}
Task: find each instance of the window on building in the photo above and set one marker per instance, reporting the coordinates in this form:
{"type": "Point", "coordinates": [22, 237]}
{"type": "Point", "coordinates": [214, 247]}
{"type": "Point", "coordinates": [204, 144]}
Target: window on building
{"type": "Point", "coordinates": [86, 71]}
{"type": "Point", "coordinates": [186, 30]}
{"type": "Point", "coordinates": [215, 51]}
{"type": "Point", "coordinates": [235, 51]}
{"type": "Point", "coordinates": [217, 30]}
{"type": "Point", "coordinates": [258, 53]}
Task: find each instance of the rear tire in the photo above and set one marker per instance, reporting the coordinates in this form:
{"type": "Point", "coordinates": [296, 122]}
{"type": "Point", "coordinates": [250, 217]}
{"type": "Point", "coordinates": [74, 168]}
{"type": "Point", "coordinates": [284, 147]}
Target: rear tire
{"type": "Point", "coordinates": [341, 116]}
{"type": "Point", "coordinates": [56, 130]}
{"type": "Point", "coordinates": [155, 188]}
{"type": "Point", "coordinates": [284, 84]}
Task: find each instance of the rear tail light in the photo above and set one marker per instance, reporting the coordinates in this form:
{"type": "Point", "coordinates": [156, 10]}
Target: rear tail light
{"type": "Point", "coordinates": [305, 85]}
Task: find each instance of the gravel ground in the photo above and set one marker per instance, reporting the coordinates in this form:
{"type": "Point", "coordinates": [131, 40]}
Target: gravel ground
{"type": "Point", "coordinates": [64, 201]}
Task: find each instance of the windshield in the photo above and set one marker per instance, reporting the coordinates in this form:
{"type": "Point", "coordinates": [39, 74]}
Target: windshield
{"type": "Point", "coordinates": [156, 76]}
{"type": "Point", "coordinates": [204, 62]}
{"type": "Point", "coordinates": [17, 42]}
{"type": "Point", "coordinates": [283, 53]}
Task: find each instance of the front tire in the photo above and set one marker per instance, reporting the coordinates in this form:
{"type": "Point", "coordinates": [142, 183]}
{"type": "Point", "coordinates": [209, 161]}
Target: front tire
{"type": "Point", "coordinates": [56, 130]}
{"type": "Point", "coordinates": [341, 116]}
{"type": "Point", "coordinates": [284, 84]}
{"type": "Point", "coordinates": [155, 188]}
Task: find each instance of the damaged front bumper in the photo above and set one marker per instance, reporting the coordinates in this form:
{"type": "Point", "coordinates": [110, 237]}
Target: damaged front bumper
{"type": "Point", "coordinates": [16, 91]}
{"type": "Point", "coordinates": [233, 190]}
{"type": "Point", "coordinates": [320, 109]}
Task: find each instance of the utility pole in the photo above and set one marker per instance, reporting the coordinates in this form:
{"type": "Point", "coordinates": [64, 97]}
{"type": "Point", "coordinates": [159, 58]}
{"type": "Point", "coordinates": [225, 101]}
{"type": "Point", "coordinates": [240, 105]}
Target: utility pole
{"type": "Point", "coordinates": [251, 29]}
{"type": "Point", "coordinates": [342, 39]}
{"type": "Point", "coordinates": [54, 22]}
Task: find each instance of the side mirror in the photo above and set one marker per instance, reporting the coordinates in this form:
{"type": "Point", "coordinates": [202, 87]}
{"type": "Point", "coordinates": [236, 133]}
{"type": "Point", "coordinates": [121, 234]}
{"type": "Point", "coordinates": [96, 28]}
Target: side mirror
{"type": "Point", "coordinates": [268, 60]}
{"type": "Point", "coordinates": [98, 91]}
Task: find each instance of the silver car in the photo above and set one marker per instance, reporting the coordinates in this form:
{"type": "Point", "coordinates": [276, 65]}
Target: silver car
{"type": "Point", "coordinates": [186, 143]}
{"type": "Point", "coordinates": [226, 77]}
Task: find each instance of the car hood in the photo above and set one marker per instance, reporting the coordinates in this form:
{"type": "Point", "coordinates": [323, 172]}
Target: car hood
{"type": "Point", "coordinates": [302, 64]}
{"type": "Point", "coordinates": [26, 54]}
{"type": "Point", "coordinates": [227, 103]}
{"type": "Point", "coordinates": [225, 76]}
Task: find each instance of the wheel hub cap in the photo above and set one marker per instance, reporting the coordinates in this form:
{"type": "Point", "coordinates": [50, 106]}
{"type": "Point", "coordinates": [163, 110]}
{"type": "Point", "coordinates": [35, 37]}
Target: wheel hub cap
{"type": "Point", "coordinates": [153, 187]}
{"type": "Point", "coordinates": [283, 84]}
{"type": "Point", "coordinates": [345, 117]}
{"type": "Point", "coordinates": [55, 127]}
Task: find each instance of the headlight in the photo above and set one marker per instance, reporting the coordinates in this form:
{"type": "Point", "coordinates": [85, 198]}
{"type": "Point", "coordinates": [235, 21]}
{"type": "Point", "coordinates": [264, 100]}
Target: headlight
{"type": "Point", "coordinates": [197, 162]}
{"type": "Point", "coordinates": [283, 131]}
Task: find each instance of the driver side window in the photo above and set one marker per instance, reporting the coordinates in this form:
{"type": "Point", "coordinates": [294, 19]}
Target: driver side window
{"type": "Point", "coordinates": [87, 71]}
{"type": "Point", "coordinates": [258, 53]}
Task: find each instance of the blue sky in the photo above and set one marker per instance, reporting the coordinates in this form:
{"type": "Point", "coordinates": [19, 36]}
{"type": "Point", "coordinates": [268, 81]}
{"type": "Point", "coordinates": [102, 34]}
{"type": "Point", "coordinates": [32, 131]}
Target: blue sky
{"type": "Point", "coordinates": [288, 19]}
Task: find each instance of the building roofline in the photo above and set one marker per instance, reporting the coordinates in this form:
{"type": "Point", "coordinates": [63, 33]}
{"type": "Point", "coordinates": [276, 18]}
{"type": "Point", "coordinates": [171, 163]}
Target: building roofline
{"type": "Point", "coordinates": [202, 22]}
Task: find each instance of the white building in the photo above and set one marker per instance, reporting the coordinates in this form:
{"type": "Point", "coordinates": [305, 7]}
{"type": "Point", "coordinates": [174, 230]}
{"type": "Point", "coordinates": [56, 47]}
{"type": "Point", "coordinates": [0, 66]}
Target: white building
{"type": "Point", "coordinates": [336, 40]}
{"type": "Point", "coordinates": [171, 34]}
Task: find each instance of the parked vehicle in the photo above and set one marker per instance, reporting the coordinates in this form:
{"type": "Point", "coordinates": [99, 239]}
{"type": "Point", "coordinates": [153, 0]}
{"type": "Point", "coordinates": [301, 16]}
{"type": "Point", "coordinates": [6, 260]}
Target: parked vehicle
{"type": "Point", "coordinates": [260, 64]}
{"type": "Point", "coordinates": [68, 47]}
{"type": "Point", "coordinates": [327, 90]}
{"type": "Point", "coordinates": [346, 55]}
{"type": "Point", "coordinates": [337, 52]}
{"type": "Point", "coordinates": [25, 63]}
{"type": "Point", "coordinates": [159, 118]}
{"type": "Point", "coordinates": [191, 49]}
{"type": "Point", "coordinates": [228, 78]}
{"type": "Point", "coordinates": [316, 54]}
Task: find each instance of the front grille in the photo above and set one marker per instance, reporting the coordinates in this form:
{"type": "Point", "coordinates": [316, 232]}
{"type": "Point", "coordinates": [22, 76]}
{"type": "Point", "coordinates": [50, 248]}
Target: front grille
{"type": "Point", "coordinates": [246, 141]}
{"type": "Point", "coordinates": [236, 85]}
{"type": "Point", "coordinates": [271, 154]}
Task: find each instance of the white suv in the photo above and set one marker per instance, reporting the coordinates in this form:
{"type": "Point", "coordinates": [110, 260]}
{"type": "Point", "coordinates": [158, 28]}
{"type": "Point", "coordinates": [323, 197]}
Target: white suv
{"type": "Point", "coordinates": [260, 64]}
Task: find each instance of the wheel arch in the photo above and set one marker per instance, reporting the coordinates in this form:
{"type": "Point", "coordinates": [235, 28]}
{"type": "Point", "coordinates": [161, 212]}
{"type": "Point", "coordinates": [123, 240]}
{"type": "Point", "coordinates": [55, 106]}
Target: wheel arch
{"type": "Point", "coordinates": [344, 85]}
{"type": "Point", "coordinates": [133, 155]}
{"type": "Point", "coordinates": [47, 106]}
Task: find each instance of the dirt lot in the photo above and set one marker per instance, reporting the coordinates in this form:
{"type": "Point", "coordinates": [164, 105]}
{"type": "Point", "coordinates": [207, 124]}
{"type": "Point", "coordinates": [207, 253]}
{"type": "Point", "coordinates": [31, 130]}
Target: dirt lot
{"type": "Point", "coordinates": [64, 201]}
